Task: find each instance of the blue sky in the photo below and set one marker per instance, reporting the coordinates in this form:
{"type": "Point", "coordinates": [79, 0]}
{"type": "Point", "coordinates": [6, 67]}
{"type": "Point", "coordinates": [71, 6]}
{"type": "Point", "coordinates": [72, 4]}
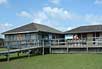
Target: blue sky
{"type": "Point", "coordinates": [59, 14]}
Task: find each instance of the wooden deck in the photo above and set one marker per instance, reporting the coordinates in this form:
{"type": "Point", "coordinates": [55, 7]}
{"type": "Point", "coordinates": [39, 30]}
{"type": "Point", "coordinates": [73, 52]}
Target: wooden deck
{"type": "Point", "coordinates": [17, 50]}
{"type": "Point", "coordinates": [54, 46]}
{"type": "Point", "coordinates": [64, 46]}
{"type": "Point", "coordinates": [8, 52]}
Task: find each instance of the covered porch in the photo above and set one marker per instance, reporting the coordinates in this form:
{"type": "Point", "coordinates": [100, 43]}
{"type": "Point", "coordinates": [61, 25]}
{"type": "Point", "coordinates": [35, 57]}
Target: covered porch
{"type": "Point", "coordinates": [90, 39]}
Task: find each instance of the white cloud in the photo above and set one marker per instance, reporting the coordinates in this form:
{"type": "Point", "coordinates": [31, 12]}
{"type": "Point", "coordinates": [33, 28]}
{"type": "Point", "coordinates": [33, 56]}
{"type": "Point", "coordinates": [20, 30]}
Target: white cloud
{"type": "Point", "coordinates": [40, 17]}
{"type": "Point", "coordinates": [55, 17]}
{"type": "Point", "coordinates": [5, 26]}
{"type": "Point", "coordinates": [96, 23]}
{"type": "Point", "coordinates": [93, 19]}
{"type": "Point", "coordinates": [58, 13]}
{"type": "Point", "coordinates": [55, 1]}
{"type": "Point", "coordinates": [52, 16]}
{"type": "Point", "coordinates": [98, 2]}
{"type": "Point", "coordinates": [24, 14]}
{"type": "Point", "coordinates": [3, 2]}
{"type": "Point", "coordinates": [69, 28]}
{"type": "Point", "coordinates": [52, 13]}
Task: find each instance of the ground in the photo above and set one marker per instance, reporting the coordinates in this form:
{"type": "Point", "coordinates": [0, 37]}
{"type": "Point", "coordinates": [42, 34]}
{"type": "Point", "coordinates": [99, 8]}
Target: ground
{"type": "Point", "coordinates": [3, 49]}
{"type": "Point", "coordinates": [55, 61]}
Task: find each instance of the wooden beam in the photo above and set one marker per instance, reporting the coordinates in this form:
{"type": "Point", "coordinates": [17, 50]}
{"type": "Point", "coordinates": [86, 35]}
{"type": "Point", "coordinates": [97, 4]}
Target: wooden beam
{"type": "Point", "coordinates": [87, 48]}
{"type": "Point", "coordinates": [18, 54]}
{"type": "Point", "coordinates": [50, 47]}
{"type": "Point", "coordinates": [8, 56]}
{"type": "Point", "coordinates": [29, 53]}
{"type": "Point", "coordinates": [67, 46]}
{"type": "Point", "coordinates": [43, 48]}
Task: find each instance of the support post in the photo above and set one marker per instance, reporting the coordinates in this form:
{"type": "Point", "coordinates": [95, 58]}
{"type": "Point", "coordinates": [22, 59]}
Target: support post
{"type": "Point", "coordinates": [87, 48]}
{"type": "Point", "coordinates": [58, 42]}
{"type": "Point", "coordinates": [38, 43]}
{"type": "Point", "coordinates": [50, 47]}
{"type": "Point", "coordinates": [8, 54]}
{"type": "Point", "coordinates": [18, 54]}
{"type": "Point", "coordinates": [8, 57]}
{"type": "Point", "coordinates": [29, 53]}
{"type": "Point", "coordinates": [67, 46]}
{"type": "Point", "coordinates": [28, 45]}
{"type": "Point", "coordinates": [43, 48]}
{"type": "Point", "coordinates": [20, 45]}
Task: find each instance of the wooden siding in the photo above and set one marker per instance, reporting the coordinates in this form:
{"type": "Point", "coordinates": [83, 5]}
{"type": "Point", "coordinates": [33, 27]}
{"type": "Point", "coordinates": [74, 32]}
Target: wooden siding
{"type": "Point", "coordinates": [15, 39]}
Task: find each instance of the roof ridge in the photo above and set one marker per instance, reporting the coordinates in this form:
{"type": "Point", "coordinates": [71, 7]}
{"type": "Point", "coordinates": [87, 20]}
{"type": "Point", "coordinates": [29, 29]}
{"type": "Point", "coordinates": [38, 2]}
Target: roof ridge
{"type": "Point", "coordinates": [45, 26]}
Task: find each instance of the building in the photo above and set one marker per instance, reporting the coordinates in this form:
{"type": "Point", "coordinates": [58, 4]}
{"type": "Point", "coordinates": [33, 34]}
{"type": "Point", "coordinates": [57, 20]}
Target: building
{"type": "Point", "coordinates": [29, 34]}
{"type": "Point", "coordinates": [92, 34]}
{"type": "Point", "coordinates": [85, 38]}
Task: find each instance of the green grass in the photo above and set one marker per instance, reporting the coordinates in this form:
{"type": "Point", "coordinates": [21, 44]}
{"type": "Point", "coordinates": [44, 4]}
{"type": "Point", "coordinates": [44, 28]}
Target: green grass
{"type": "Point", "coordinates": [3, 49]}
{"type": "Point", "coordinates": [56, 61]}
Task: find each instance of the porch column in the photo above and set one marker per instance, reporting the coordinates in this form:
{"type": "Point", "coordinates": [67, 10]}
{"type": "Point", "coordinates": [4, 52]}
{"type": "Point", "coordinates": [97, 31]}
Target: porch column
{"type": "Point", "coordinates": [43, 48]}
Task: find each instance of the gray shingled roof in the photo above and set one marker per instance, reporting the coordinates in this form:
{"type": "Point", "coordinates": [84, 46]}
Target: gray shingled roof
{"type": "Point", "coordinates": [32, 27]}
{"type": "Point", "coordinates": [86, 29]}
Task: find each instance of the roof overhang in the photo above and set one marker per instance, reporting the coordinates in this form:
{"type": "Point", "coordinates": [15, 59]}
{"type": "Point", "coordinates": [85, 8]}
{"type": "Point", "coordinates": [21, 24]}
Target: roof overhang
{"type": "Point", "coordinates": [20, 32]}
{"type": "Point", "coordinates": [83, 32]}
{"type": "Point", "coordinates": [31, 32]}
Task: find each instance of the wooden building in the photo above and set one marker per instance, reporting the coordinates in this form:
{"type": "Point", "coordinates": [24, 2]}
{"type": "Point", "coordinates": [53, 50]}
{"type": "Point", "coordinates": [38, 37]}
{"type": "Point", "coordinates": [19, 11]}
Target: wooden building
{"type": "Point", "coordinates": [32, 33]}
{"type": "Point", "coordinates": [86, 39]}
{"type": "Point", "coordinates": [92, 34]}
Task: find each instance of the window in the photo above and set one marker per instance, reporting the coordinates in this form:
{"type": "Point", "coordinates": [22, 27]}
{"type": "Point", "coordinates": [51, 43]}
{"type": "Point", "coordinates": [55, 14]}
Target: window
{"type": "Point", "coordinates": [84, 36]}
{"type": "Point", "coordinates": [14, 37]}
{"type": "Point", "coordinates": [19, 37]}
{"type": "Point", "coordinates": [6, 37]}
{"type": "Point", "coordinates": [50, 36]}
{"type": "Point", "coordinates": [27, 36]}
{"type": "Point", "coordinates": [97, 34]}
{"type": "Point", "coordinates": [33, 36]}
{"type": "Point", "coordinates": [95, 37]}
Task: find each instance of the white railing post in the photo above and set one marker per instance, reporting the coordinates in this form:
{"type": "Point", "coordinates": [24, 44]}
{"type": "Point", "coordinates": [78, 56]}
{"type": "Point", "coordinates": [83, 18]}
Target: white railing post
{"type": "Point", "coordinates": [66, 43]}
{"type": "Point", "coordinates": [87, 46]}
{"type": "Point", "coordinates": [38, 43]}
{"type": "Point", "coordinates": [58, 42]}
{"type": "Point", "coordinates": [43, 48]}
{"type": "Point", "coordinates": [8, 54]}
{"type": "Point", "coordinates": [50, 47]}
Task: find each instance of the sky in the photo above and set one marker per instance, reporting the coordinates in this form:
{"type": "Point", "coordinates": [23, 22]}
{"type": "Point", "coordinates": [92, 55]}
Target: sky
{"type": "Point", "coordinates": [59, 14]}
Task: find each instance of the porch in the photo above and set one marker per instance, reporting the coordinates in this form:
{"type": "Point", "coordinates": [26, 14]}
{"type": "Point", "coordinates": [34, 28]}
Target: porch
{"type": "Point", "coordinates": [59, 45]}
{"type": "Point", "coordinates": [71, 43]}
{"type": "Point", "coordinates": [52, 46]}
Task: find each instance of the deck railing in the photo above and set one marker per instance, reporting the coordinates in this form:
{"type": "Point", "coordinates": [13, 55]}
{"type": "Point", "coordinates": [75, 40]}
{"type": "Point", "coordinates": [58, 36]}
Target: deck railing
{"type": "Point", "coordinates": [90, 42]}
{"type": "Point", "coordinates": [26, 43]}
{"type": "Point", "coordinates": [54, 42]}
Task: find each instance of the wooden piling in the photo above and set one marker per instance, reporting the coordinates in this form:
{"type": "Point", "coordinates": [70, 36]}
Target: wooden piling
{"type": "Point", "coordinates": [50, 47]}
{"type": "Point", "coordinates": [87, 48]}
{"type": "Point", "coordinates": [8, 56]}
{"type": "Point", "coordinates": [18, 54]}
{"type": "Point", "coordinates": [43, 48]}
{"type": "Point", "coordinates": [67, 46]}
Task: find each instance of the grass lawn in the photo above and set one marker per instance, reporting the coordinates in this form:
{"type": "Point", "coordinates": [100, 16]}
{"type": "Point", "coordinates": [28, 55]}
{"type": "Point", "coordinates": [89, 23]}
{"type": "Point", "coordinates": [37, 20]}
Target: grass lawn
{"type": "Point", "coordinates": [56, 61]}
{"type": "Point", "coordinates": [3, 49]}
